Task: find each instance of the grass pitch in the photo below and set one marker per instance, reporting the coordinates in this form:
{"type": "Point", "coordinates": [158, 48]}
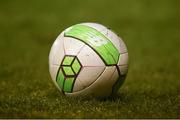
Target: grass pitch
{"type": "Point", "coordinates": [151, 30]}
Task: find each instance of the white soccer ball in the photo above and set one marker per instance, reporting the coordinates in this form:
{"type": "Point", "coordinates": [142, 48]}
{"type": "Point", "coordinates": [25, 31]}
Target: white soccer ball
{"type": "Point", "coordinates": [88, 59]}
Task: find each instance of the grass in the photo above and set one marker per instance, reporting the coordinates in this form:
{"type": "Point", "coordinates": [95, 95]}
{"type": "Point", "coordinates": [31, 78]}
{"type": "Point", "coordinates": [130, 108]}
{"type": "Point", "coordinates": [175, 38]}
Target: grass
{"type": "Point", "coordinates": [149, 28]}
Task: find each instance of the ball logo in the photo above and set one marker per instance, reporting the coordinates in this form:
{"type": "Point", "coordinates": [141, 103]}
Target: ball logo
{"type": "Point", "coordinates": [97, 41]}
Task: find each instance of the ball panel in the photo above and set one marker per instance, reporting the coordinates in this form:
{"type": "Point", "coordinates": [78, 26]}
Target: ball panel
{"type": "Point", "coordinates": [88, 57]}
{"type": "Point", "coordinates": [117, 41]}
{"type": "Point", "coordinates": [76, 66]}
{"type": "Point", "coordinates": [51, 56]}
{"type": "Point", "coordinates": [57, 51]}
{"type": "Point", "coordinates": [68, 70]}
{"type": "Point", "coordinates": [68, 60]}
{"type": "Point", "coordinates": [68, 84]}
{"type": "Point", "coordinates": [123, 60]}
{"type": "Point", "coordinates": [123, 69]}
{"type": "Point", "coordinates": [53, 72]}
{"type": "Point", "coordinates": [101, 87]}
{"type": "Point", "coordinates": [114, 79]}
{"type": "Point", "coordinates": [60, 79]}
{"type": "Point", "coordinates": [96, 26]}
{"type": "Point", "coordinates": [123, 48]}
{"type": "Point", "coordinates": [114, 39]}
{"type": "Point", "coordinates": [83, 80]}
{"type": "Point", "coordinates": [72, 46]}
{"type": "Point", "coordinates": [77, 85]}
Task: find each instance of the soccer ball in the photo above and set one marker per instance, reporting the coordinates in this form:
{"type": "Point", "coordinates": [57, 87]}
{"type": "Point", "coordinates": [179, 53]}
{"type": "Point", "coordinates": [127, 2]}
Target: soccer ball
{"type": "Point", "coordinates": [88, 59]}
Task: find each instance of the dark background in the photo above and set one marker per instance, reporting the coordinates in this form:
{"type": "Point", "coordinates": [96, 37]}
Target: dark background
{"type": "Point", "coordinates": [150, 28]}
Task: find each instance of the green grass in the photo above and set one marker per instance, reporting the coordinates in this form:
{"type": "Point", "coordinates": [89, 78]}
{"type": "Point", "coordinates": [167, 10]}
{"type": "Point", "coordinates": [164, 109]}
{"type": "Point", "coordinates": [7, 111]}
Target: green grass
{"type": "Point", "coordinates": [151, 30]}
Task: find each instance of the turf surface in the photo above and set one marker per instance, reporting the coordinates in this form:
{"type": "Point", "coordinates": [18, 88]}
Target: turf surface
{"type": "Point", "coordinates": [150, 28]}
